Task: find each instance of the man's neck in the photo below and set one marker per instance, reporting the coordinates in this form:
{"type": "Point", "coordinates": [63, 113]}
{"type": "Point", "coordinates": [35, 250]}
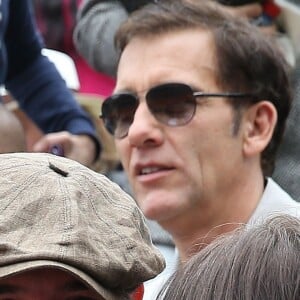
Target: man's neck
{"type": "Point", "coordinates": [195, 230]}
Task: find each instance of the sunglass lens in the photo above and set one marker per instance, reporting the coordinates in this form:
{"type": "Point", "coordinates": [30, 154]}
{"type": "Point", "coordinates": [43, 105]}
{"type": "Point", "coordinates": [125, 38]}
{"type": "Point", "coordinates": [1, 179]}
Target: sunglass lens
{"type": "Point", "coordinates": [172, 104]}
{"type": "Point", "coordinates": [118, 113]}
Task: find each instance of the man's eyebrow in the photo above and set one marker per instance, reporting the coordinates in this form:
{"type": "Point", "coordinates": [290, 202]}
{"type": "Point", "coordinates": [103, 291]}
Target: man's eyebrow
{"type": "Point", "coordinates": [74, 285]}
{"type": "Point", "coordinates": [124, 91]}
{"type": "Point", "coordinates": [9, 289]}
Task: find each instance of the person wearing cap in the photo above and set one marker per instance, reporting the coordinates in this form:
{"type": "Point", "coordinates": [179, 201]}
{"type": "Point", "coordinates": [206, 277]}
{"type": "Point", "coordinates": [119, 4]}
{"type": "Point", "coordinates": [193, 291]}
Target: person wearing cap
{"type": "Point", "coordinates": [67, 232]}
{"type": "Point", "coordinates": [39, 89]}
{"type": "Point", "coordinates": [198, 113]}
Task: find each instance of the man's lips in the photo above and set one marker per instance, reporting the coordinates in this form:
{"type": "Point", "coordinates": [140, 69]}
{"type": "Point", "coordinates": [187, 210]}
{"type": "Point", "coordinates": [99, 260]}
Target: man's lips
{"type": "Point", "coordinates": [150, 169]}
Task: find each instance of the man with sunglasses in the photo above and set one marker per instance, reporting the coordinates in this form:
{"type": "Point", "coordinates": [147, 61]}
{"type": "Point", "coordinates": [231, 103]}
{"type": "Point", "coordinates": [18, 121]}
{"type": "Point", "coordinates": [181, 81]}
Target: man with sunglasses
{"type": "Point", "coordinates": [198, 113]}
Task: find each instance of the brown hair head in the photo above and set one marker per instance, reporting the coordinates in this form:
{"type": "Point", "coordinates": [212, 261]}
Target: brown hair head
{"type": "Point", "coordinates": [260, 262]}
{"type": "Point", "coordinates": [247, 60]}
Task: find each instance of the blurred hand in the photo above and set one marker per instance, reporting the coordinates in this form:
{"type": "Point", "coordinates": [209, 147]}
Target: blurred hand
{"type": "Point", "coordinates": [77, 147]}
{"type": "Point", "coordinates": [247, 11]}
{"type": "Point", "coordinates": [250, 11]}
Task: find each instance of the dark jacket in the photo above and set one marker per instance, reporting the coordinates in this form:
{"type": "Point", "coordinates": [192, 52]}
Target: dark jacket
{"type": "Point", "coordinates": [287, 168]}
{"type": "Point", "coordinates": [32, 79]}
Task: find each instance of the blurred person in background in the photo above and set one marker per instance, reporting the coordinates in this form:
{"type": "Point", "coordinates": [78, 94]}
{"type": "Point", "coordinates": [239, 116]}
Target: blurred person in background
{"type": "Point", "coordinates": [98, 21]}
{"type": "Point", "coordinates": [56, 20]}
{"type": "Point", "coordinates": [39, 89]}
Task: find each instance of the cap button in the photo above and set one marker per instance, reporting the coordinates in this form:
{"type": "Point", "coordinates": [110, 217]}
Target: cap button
{"type": "Point", "coordinates": [58, 170]}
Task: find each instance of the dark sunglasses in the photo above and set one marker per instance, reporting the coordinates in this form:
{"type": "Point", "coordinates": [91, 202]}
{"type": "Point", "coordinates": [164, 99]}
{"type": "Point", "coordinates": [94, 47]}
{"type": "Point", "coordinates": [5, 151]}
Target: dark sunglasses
{"type": "Point", "coordinates": [172, 104]}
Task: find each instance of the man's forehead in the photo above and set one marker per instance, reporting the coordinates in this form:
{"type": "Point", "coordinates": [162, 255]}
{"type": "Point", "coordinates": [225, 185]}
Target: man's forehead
{"type": "Point", "coordinates": [173, 39]}
{"type": "Point", "coordinates": [168, 57]}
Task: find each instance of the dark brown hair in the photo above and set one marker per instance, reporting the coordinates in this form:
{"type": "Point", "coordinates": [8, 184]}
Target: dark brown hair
{"type": "Point", "coordinates": [247, 60]}
{"type": "Point", "coordinates": [260, 262]}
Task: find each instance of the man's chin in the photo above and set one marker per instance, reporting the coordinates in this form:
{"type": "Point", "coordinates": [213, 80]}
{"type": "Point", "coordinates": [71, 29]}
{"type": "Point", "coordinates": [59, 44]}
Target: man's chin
{"type": "Point", "coordinates": [156, 213]}
{"type": "Point", "coordinates": [157, 204]}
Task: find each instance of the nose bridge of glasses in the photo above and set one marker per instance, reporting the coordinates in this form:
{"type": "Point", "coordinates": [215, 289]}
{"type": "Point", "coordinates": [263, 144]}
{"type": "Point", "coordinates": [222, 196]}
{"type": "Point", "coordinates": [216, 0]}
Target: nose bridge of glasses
{"type": "Point", "coordinates": [142, 102]}
{"type": "Point", "coordinates": [142, 112]}
{"type": "Point", "coordinates": [144, 119]}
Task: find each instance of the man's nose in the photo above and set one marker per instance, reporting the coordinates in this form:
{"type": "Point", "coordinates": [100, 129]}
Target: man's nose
{"type": "Point", "coordinates": [145, 130]}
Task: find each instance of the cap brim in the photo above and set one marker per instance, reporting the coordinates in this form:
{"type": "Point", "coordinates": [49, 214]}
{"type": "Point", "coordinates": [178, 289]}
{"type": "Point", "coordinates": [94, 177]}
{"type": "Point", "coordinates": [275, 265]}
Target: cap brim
{"type": "Point", "coordinates": [10, 270]}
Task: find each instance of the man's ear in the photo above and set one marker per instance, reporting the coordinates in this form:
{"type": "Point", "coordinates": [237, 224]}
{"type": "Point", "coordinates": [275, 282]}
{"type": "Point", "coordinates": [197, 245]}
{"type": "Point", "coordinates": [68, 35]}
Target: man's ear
{"type": "Point", "coordinates": [260, 121]}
